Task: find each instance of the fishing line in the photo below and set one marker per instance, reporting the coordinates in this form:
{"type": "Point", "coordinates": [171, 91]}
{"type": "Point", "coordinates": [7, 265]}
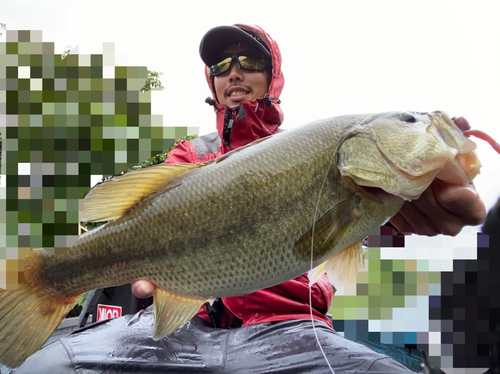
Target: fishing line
{"type": "Point", "coordinates": [312, 260]}
{"type": "Point", "coordinates": [312, 238]}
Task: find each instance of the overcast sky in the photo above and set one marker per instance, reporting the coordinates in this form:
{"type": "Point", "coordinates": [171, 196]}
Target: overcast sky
{"type": "Point", "coordinates": [339, 57]}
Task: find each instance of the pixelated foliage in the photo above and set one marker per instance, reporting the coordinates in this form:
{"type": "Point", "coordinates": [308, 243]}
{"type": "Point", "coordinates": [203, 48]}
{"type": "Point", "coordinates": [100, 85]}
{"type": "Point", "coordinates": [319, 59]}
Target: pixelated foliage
{"type": "Point", "coordinates": [66, 121]}
{"type": "Point", "coordinates": [413, 303]}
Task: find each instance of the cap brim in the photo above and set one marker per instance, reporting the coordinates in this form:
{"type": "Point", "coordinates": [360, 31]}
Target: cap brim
{"type": "Point", "coordinates": [216, 39]}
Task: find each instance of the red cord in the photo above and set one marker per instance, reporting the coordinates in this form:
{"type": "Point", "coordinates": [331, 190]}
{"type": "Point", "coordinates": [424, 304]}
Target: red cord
{"type": "Point", "coordinates": [482, 135]}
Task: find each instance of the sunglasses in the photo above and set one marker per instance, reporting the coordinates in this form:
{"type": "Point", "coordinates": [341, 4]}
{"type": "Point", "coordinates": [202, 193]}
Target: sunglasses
{"type": "Point", "coordinates": [247, 60]}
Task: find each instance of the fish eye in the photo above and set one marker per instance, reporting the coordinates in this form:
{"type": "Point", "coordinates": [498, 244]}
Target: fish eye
{"type": "Point", "coordinates": [407, 117]}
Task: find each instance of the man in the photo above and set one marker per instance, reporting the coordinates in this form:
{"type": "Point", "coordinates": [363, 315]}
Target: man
{"type": "Point", "coordinates": [271, 329]}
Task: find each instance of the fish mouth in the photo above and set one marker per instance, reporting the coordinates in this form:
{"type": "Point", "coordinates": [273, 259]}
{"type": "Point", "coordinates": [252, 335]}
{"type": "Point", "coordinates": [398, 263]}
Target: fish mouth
{"type": "Point", "coordinates": [465, 166]}
{"type": "Point", "coordinates": [403, 154]}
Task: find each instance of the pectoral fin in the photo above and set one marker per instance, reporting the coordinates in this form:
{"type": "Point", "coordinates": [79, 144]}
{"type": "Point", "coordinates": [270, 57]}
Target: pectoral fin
{"type": "Point", "coordinates": [172, 311]}
{"type": "Point", "coordinates": [330, 228]}
{"type": "Point", "coordinates": [115, 197]}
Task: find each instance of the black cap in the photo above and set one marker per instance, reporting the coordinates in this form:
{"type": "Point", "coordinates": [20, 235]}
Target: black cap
{"type": "Point", "coordinates": [216, 39]}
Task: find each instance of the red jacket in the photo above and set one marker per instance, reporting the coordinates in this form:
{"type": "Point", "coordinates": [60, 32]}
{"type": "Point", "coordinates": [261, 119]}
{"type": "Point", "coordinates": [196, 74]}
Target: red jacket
{"type": "Point", "coordinates": [251, 121]}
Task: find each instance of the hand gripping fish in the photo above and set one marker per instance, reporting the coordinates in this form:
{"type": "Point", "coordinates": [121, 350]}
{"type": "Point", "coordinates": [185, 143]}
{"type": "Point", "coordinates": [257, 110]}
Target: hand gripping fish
{"type": "Point", "coordinates": [251, 216]}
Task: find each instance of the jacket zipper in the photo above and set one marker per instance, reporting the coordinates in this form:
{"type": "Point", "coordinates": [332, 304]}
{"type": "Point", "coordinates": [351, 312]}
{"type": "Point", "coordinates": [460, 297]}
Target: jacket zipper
{"type": "Point", "coordinates": [229, 118]}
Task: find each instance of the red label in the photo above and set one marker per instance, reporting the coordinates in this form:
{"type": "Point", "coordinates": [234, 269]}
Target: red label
{"type": "Point", "coordinates": [108, 312]}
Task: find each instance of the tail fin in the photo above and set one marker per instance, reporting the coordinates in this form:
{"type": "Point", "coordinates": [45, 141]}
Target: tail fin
{"type": "Point", "coordinates": [28, 317]}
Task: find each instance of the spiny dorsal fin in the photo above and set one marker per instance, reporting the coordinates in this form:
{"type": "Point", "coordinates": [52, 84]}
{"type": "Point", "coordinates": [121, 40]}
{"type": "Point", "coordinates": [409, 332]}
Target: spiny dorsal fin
{"type": "Point", "coordinates": [112, 199]}
{"type": "Point", "coordinates": [172, 311]}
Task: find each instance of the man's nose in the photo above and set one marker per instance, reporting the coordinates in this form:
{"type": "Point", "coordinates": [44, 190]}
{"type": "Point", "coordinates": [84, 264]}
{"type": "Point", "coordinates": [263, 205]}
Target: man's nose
{"type": "Point", "coordinates": [235, 73]}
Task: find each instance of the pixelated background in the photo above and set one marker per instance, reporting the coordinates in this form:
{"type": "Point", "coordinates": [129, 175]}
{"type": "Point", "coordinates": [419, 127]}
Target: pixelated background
{"type": "Point", "coordinates": [66, 121]}
{"type": "Point", "coordinates": [430, 294]}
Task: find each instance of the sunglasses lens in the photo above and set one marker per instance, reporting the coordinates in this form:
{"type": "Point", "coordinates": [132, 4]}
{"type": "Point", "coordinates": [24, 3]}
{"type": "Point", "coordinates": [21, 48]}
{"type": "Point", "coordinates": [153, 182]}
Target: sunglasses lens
{"type": "Point", "coordinates": [221, 67]}
{"type": "Point", "coordinates": [255, 63]}
{"type": "Point", "coordinates": [246, 60]}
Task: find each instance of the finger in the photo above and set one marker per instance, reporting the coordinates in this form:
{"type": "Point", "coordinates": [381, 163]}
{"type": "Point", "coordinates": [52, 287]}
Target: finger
{"type": "Point", "coordinates": [401, 224]}
{"type": "Point", "coordinates": [143, 289]}
{"type": "Point", "coordinates": [438, 218]}
{"type": "Point", "coordinates": [462, 201]}
{"type": "Point", "coordinates": [462, 123]}
{"type": "Point", "coordinates": [417, 220]}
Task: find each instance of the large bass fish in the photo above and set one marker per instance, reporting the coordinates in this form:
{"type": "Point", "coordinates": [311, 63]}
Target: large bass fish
{"type": "Point", "coordinates": [256, 217]}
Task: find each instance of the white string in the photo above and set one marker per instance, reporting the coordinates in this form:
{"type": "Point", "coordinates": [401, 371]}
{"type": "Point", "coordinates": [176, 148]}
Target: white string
{"type": "Point", "coordinates": [312, 242]}
{"type": "Point", "coordinates": [312, 260]}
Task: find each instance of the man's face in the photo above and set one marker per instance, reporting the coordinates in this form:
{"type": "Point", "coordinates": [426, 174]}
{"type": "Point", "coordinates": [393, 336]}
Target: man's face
{"type": "Point", "coordinates": [237, 85]}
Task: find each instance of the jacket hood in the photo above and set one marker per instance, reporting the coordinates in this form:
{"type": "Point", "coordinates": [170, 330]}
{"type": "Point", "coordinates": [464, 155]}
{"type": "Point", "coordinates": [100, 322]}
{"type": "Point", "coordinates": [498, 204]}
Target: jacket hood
{"type": "Point", "coordinates": [251, 120]}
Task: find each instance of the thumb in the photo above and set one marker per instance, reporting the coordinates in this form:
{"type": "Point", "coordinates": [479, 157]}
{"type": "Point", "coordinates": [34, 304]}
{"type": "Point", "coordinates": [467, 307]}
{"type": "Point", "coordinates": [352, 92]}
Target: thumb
{"type": "Point", "coordinates": [143, 289]}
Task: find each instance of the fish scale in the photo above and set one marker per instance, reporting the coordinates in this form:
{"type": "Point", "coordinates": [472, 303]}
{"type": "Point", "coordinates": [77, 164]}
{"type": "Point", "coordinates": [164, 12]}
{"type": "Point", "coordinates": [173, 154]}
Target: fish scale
{"type": "Point", "coordinates": [245, 221]}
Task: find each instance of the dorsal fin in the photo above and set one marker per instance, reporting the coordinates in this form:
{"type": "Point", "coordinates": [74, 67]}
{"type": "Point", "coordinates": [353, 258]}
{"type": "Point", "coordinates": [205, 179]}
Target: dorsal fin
{"type": "Point", "coordinates": [112, 199]}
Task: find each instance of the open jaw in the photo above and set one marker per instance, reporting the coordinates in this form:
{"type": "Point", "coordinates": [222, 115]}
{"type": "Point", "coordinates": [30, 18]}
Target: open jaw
{"type": "Point", "coordinates": [403, 159]}
{"type": "Point", "coordinates": [465, 166]}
